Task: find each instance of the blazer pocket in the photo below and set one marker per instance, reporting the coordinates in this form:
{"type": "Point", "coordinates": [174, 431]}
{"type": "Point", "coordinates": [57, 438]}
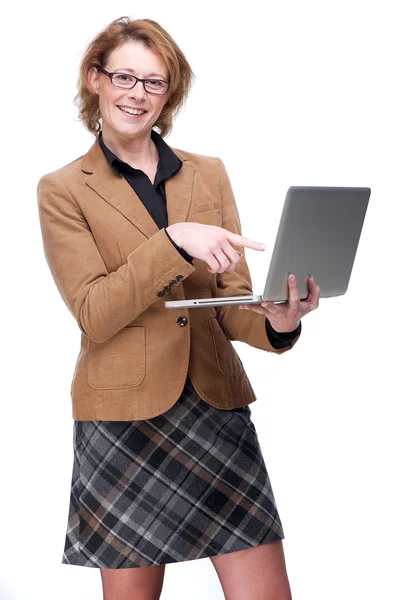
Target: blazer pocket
{"type": "Point", "coordinates": [202, 208]}
{"type": "Point", "coordinates": [206, 214]}
{"type": "Point", "coordinates": [227, 359]}
{"type": "Point", "coordinates": [119, 362]}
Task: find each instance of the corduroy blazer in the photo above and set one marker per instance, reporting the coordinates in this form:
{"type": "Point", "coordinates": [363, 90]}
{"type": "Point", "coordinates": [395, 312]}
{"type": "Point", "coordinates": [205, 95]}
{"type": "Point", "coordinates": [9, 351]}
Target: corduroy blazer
{"type": "Point", "coordinates": [114, 269]}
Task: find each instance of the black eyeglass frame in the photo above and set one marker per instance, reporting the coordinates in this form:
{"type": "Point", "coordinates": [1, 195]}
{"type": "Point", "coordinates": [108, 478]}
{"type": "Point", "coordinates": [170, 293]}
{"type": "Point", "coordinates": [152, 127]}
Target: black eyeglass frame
{"type": "Point", "coordinates": [137, 79]}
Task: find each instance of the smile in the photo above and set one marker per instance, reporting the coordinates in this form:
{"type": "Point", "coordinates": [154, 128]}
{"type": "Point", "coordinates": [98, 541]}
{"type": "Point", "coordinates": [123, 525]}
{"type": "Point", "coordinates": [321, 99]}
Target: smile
{"type": "Point", "coordinates": [132, 112]}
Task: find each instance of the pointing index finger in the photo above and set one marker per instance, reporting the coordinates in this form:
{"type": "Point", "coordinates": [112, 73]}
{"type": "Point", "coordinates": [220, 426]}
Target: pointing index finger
{"type": "Point", "coordinates": [240, 240]}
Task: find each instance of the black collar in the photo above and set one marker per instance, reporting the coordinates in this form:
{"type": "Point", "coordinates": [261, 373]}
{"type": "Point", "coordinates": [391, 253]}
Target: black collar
{"type": "Point", "coordinates": [169, 163]}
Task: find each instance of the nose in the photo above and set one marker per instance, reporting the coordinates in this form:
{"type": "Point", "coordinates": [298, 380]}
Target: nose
{"type": "Point", "coordinates": [138, 92]}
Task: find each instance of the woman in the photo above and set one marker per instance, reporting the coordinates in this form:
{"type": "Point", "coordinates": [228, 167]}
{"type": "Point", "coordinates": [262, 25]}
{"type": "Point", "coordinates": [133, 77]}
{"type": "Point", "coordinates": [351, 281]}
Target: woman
{"type": "Point", "coordinates": [167, 464]}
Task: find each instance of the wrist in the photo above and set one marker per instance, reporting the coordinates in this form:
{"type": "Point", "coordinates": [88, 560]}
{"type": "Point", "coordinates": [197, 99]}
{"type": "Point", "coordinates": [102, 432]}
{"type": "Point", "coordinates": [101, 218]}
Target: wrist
{"type": "Point", "coordinates": [172, 230]}
{"type": "Point", "coordinates": [280, 329]}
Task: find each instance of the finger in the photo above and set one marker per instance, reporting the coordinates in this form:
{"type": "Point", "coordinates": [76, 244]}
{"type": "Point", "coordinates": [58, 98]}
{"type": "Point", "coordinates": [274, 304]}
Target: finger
{"type": "Point", "coordinates": [274, 309]}
{"type": "Point", "coordinates": [224, 257]}
{"type": "Point", "coordinates": [310, 286]}
{"type": "Point", "coordinates": [239, 240]}
{"type": "Point", "coordinates": [223, 260]}
{"type": "Point", "coordinates": [255, 307]}
{"type": "Point", "coordinates": [213, 264]}
{"type": "Point", "coordinates": [312, 301]}
{"type": "Point", "coordinates": [232, 254]}
{"type": "Point", "coordinates": [293, 292]}
{"type": "Point", "coordinates": [227, 256]}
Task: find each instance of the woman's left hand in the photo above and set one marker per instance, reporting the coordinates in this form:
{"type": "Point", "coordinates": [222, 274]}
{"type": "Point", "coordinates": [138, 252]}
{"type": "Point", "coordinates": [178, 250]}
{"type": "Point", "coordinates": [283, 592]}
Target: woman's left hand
{"type": "Point", "coordinates": [286, 316]}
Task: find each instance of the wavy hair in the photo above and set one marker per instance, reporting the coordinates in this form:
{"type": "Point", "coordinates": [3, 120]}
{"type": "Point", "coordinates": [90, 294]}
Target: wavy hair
{"type": "Point", "coordinates": [154, 37]}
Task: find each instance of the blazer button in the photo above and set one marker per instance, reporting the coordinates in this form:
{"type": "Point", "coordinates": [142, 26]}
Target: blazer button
{"type": "Point", "coordinates": [179, 278]}
{"type": "Point", "coordinates": [167, 288]}
{"type": "Point", "coordinates": [173, 283]}
{"type": "Point", "coordinates": [182, 321]}
{"type": "Point", "coordinates": [161, 293]}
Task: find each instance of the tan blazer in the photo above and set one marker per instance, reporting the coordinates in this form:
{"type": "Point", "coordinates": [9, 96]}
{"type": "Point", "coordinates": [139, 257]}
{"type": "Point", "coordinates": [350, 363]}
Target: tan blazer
{"type": "Point", "coordinates": [114, 269]}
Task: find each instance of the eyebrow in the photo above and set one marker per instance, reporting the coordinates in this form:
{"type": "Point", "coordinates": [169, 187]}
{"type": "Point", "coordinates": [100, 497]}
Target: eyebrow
{"type": "Point", "coordinates": [132, 71]}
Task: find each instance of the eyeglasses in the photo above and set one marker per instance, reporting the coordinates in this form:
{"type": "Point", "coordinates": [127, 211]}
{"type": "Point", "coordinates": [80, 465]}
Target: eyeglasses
{"type": "Point", "coordinates": [127, 81]}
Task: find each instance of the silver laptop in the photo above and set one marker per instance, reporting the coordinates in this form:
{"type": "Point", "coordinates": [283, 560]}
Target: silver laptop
{"type": "Point", "coordinates": [318, 234]}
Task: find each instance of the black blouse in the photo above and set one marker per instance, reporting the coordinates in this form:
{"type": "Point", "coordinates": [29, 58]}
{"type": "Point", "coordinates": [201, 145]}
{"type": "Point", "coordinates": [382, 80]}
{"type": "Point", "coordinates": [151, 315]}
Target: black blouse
{"type": "Point", "coordinates": [154, 199]}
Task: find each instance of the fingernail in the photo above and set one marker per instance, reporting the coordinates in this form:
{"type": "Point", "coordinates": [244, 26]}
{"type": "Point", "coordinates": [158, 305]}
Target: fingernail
{"type": "Point", "coordinates": [263, 246]}
{"type": "Point", "coordinates": [292, 277]}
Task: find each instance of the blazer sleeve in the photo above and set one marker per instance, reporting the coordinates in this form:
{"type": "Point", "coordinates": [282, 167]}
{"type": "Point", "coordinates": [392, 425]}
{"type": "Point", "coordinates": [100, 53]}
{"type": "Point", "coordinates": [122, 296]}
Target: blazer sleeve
{"type": "Point", "coordinates": [240, 325]}
{"type": "Point", "coordinates": [101, 302]}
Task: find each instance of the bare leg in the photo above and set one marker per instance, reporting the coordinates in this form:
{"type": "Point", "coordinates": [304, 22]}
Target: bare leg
{"type": "Point", "coordinates": [138, 583]}
{"type": "Point", "coordinates": [258, 573]}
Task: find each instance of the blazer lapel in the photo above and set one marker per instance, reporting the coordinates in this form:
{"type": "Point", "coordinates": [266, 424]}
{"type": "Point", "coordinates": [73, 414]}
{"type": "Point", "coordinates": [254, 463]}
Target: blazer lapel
{"type": "Point", "coordinates": [116, 191]}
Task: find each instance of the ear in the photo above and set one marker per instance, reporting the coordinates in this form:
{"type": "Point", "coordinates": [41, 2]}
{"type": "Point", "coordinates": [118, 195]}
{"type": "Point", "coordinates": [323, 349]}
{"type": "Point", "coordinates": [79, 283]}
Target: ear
{"type": "Point", "coordinates": [92, 77]}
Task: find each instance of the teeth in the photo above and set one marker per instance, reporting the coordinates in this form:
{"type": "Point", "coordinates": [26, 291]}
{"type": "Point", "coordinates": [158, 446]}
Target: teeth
{"type": "Point", "coordinates": [132, 111]}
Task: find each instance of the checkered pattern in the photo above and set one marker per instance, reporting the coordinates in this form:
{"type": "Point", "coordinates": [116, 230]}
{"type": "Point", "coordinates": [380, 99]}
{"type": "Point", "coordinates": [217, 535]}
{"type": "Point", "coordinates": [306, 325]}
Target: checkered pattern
{"type": "Point", "coordinates": [190, 483]}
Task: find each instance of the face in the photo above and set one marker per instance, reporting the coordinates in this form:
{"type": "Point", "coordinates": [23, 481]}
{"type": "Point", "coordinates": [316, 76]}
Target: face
{"type": "Point", "coordinates": [136, 59]}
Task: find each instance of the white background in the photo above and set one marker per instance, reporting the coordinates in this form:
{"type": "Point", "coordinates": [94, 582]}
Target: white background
{"type": "Point", "coordinates": [287, 93]}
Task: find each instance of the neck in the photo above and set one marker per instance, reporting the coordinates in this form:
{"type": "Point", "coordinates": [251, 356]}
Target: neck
{"type": "Point", "coordinates": [137, 151]}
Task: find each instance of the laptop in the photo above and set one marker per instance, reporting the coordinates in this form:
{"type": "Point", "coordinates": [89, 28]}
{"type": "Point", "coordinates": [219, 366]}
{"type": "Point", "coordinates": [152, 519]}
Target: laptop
{"type": "Point", "coordinates": [318, 234]}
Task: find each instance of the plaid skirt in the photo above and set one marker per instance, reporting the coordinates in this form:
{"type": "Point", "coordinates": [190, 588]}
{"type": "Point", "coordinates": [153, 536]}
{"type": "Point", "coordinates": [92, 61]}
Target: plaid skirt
{"type": "Point", "coordinates": [189, 483]}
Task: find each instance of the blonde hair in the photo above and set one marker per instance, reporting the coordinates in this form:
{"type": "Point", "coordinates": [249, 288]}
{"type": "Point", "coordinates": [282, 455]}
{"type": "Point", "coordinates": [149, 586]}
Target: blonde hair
{"type": "Point", "coordinates": [154, 37]}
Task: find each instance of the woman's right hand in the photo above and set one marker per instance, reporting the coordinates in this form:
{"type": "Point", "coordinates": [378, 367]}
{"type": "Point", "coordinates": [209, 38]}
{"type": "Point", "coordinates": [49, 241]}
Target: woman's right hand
{"type": "Point", "coordinates": [211, 244]}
